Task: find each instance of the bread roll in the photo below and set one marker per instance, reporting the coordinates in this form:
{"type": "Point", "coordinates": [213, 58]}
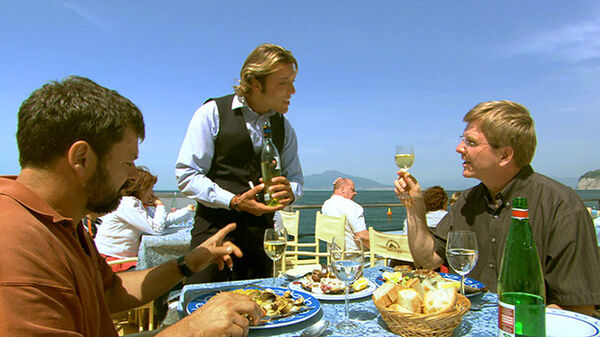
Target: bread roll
{"type": "Point", "coordinates": [439, 300]}
{"type": "Point", "coordinates": [384, 295]}
{"type": "Point", "coordinates": [410, 300]}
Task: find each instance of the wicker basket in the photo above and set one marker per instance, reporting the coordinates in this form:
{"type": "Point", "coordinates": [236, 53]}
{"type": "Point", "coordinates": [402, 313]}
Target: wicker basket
{"type": "Point", "coordinates": [421, 325]}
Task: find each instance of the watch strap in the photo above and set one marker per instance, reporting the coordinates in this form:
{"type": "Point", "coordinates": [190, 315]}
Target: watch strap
{"type": "Point", "coordinates": [183, 268]}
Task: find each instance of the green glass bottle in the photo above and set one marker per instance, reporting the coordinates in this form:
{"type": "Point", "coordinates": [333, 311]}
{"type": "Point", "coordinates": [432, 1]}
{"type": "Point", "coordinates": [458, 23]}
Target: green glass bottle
{"type": "Point", "coordinates": [270, 163]}
{"type": "Point", "coordinates": [521, 292]}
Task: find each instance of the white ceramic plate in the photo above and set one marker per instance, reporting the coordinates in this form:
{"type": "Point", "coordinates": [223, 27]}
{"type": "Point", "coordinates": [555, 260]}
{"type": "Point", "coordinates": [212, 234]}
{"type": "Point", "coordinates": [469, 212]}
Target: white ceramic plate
{"type": "Point", "coordinates": [337, 297]}
{"type": "Point", "coordinates": [309, 300]}
{"type": "Point", "coordinates": [564, 323]}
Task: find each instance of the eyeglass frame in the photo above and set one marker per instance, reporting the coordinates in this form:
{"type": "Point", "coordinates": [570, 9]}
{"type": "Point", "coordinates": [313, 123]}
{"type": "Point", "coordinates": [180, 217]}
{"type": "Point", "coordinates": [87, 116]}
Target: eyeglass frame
{"type": "Point", "coordinates": [469, 143]}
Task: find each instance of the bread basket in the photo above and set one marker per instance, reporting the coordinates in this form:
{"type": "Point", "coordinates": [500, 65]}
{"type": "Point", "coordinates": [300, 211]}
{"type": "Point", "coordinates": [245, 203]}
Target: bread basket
{"type": "Point", "coordinates": [421, 325]}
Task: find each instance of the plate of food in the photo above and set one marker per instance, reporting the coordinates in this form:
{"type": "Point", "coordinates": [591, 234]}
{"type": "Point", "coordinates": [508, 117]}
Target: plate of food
{"type": "Point", "coordinates": [569, 323]}
{"type": "Point", "coordinates": [324, 285]}
{"type": "Point", "coordinates": [282, 306]}
{"type": "Point", "coordinates": [405, 274]}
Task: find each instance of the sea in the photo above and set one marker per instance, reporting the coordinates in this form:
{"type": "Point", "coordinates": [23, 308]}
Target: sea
{"type": "Point", "coordinates": [377, 217]}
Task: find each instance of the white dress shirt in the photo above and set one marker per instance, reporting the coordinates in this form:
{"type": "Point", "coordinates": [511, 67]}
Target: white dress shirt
{"type": "Point", "coordinates": [355, 221]}
{"type": "Point", "coordinates": [198, 148]}
{"type": "Point", "coordinates": [121, 230]}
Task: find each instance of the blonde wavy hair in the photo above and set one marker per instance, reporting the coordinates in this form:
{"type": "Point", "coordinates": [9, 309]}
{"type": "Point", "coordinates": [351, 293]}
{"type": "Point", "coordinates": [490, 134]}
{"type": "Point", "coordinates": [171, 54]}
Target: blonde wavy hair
{"type": "Point", "coordinates": [506, 123]}
{"type": "Point", "coordinates": [262, 62]}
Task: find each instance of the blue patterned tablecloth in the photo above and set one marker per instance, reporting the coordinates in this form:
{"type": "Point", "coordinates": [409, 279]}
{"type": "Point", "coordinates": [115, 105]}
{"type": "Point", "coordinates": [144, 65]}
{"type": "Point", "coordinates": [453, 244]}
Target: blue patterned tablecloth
{"type": "Point", "coordinates": [158, 249]}
{"type": "Point", "coordinates": [362, 311]}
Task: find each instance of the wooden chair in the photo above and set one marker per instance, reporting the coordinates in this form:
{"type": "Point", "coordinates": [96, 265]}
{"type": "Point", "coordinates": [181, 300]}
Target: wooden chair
{"type": "Point", "coordinates": [291, 221]}
{"type": "Point", "coordinates": [135, 317]}
{"type": "Point", "coordinates": [326, 228]}
{"type": "Point", "coordinates": [388, 246]}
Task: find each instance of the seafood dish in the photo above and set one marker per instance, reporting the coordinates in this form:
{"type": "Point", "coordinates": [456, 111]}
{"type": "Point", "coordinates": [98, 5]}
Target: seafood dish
{"type": "Point", "coordinates": [323, 281]}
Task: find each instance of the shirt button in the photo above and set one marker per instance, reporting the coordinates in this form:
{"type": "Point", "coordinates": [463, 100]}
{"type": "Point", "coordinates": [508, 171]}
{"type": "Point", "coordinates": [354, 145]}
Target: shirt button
{"type": "Point", "coordinates": [508, 204]}
{"type": "Point", "coordinates": [495, 217]}
{"type": "Point", "coordinates": [493, 239]}
{"type": "Point", "coordinates": [491, 266]}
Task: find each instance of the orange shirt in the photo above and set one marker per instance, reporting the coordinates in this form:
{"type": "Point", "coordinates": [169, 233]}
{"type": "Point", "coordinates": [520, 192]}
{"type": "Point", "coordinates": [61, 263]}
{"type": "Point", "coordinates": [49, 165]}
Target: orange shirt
{"type": "Point", "coordinates": [52, 278]}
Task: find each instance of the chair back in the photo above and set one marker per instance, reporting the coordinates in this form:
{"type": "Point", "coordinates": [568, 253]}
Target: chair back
{"type": "Point", "coordinates": [290, 222]}
{"type": "Point", "coordinates": [389, 246]}
{"type": "Point", "coordinates": [330, 227]}
{"type": "Point", "coordinates": [326, 228]}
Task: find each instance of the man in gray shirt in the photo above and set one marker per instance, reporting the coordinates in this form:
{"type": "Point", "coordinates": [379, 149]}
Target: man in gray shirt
{"type": "Point", "coordinates": [219, 164]}
{"type": "Point", "coordinates": [496, 147]}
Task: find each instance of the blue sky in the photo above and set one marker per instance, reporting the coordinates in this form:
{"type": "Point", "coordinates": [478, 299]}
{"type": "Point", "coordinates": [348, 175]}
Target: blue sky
{"type": "Point", "coordinates": [372, 74]}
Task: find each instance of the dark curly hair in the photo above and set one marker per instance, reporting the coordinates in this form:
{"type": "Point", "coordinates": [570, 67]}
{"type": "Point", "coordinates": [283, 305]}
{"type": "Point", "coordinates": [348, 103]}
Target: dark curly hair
{"type": "Point", "coordinates": [76, 108]}
{"type": "Point", "coordinates": [435, 199]}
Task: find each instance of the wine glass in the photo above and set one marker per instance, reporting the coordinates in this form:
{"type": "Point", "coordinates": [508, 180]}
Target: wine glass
{"type": "Point", "coordinates": [462, 253]}
{"type": "Point", "coordinates": [405, 157]}
{"type": "Point", "coordinates": [275, 241]}
{"type": "Point", "coordinates": [347, 266]}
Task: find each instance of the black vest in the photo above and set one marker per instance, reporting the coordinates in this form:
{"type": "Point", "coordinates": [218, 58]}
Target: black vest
{"type": "Point", "coordinates": [234, 162]}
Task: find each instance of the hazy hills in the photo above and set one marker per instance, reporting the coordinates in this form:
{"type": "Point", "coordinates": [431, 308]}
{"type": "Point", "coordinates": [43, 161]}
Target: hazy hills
{"type": "Point", "coordinates": [324, 181]}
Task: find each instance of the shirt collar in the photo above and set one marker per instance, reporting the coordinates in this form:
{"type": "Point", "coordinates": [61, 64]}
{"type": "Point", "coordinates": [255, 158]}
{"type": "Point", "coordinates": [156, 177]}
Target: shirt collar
{"type": "Point", "coordinates": [239, 102]}
{"type": "Point", "coordinates": [28, 199]}
{"type": "Point", "coordinates": [505, 196]}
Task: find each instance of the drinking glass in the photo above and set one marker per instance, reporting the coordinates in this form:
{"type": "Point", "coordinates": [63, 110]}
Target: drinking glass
{"type": "Point", "coordinates": [462, 253]}
{"type": "Point", "coordinates": [347, 266]}
{"type": "Point", "coordinates": [275, 241]}
{"type": "Point", "coordinates": [405, 157]}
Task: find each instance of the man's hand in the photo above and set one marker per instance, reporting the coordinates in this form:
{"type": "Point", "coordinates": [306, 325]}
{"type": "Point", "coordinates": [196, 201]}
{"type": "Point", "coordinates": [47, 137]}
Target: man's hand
{"type": "Point", "coordinates": [247, 202]}
{"type": "Point", "coordinates": [281, 190]}
{"type": "Point", "coordinates": [406, 183]}
{"type": "Point", "coordinates": [214, 250]}
{"type": "Point", "coordinates": [226, 314]}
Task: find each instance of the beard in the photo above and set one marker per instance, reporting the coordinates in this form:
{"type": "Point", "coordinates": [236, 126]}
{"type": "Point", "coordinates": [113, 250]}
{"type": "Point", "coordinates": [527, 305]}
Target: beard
{"type": "Point", "coordinates": [100, 198]}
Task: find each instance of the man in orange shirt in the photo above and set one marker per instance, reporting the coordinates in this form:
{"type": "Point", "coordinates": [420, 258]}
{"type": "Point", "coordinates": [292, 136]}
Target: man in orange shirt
{"type": "Point", "coordinates": [78, 142]}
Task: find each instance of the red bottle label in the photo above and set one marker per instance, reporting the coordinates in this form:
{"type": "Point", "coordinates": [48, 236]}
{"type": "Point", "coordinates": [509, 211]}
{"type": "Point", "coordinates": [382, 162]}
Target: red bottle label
{"type": "Point", "coordinates": [506, 320]}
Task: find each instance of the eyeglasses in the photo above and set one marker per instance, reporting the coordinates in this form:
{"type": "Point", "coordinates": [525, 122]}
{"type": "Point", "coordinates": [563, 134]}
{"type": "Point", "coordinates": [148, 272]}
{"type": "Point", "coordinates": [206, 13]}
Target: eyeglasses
{"type": "Point", "coordinates": [468, 142]}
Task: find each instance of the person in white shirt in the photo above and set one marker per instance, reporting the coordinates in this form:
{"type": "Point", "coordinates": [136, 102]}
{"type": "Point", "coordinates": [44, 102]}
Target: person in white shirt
{"type": "Point", "coordinates": [341, 203]}
{"type": "Point", "coordinates": [120, 234]}
{"type": "Point", "coordinates": [436, 204]}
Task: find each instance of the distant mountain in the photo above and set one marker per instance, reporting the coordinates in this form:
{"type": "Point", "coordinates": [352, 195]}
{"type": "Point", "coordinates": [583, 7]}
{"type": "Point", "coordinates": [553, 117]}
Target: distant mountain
{"type": "Point", "coordinates": [324, 181]}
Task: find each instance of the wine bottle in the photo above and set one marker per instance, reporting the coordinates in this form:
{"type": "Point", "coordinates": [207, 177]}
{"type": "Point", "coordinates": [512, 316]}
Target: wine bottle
{"type": "Point", "coordinates": [521, 292]}
{"type": "Point", "coordinates": [270, 164]}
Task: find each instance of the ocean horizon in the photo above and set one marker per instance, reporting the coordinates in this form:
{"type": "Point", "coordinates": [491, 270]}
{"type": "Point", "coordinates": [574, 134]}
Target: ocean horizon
{"type": "Point", "coordinates": [376, 217]}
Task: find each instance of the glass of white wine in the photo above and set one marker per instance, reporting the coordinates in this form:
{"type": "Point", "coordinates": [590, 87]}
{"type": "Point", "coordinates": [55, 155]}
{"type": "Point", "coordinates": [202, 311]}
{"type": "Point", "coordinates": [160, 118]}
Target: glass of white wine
{"type": "Point", "coordinates": [405, 157]}
{"type": "Point", "coordinates": [462, 253]}
{"type": "Point", "coordinates": [347, 265]}
{"type": "Point", "coordinates": [275, 241]}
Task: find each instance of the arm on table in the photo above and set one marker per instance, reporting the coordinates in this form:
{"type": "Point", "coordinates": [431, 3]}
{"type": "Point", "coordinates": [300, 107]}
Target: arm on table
{"type": "Point", "coordinates": [420, 239]}
{"type": "Point", "coordinates": [134, 288]}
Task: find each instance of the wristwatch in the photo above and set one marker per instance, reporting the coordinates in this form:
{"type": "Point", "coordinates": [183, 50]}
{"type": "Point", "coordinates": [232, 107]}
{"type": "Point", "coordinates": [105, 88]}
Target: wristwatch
{"type": "Point", "coordinates": [183, 268]}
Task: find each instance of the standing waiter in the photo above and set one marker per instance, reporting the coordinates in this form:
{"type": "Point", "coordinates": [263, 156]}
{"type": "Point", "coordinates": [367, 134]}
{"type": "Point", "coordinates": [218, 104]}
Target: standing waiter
{"type": "Point", "coordinates": [219, 160]}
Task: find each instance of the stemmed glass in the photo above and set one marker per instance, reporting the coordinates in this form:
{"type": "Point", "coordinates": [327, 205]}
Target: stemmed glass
{"type": "Point", "coordinates": [347, 266]}
{"type": "Point", "coordinates": [462, 253]}
{"type": "Point", "coordinates": [275, 241]}
{"type": "Point", "coordinates": [405, 157]}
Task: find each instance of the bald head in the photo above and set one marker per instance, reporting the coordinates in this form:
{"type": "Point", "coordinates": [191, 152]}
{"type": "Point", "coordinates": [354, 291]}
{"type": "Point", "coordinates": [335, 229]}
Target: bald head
{"type": "Point", "coordinates": [344, 187]}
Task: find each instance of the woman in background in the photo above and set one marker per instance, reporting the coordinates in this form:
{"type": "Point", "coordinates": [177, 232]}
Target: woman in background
{"type": "Point", "coordinates": [436, 204]}
{"type": "Point", "coordinates": [119, 235]}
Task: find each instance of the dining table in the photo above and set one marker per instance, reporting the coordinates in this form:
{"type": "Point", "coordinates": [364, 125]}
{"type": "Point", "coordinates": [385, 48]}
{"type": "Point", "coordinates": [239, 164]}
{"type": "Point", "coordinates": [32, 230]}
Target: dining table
{"type": "Point", "coordinates": [482, 322]}
{"type": "Point", "coordinates": [157, 249]}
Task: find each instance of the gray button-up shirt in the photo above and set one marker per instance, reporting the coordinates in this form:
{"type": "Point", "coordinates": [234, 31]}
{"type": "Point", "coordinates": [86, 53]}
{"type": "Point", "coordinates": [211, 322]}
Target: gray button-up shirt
{"type": "Point", "coordinates": [561, 227]}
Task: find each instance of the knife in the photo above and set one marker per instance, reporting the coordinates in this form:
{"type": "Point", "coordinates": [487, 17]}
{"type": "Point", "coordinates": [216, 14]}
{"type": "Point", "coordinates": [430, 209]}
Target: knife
{"type": "Point", "coordinates": [267, 319]}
